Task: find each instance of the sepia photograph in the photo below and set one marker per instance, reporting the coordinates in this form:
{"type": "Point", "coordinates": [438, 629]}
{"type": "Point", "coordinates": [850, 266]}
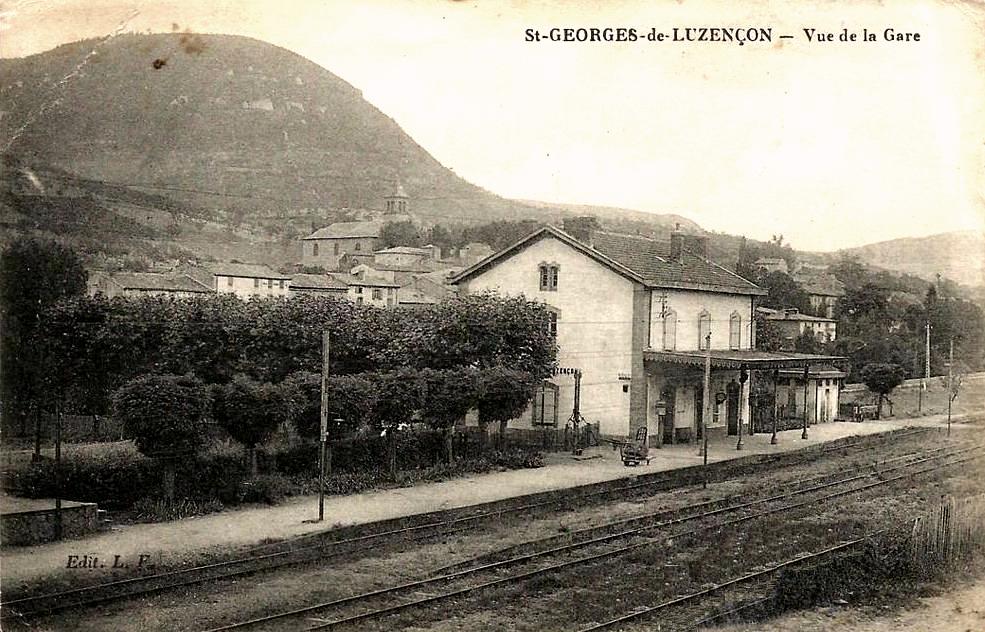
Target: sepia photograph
{"type": "Point", "coordinates": [483, 315]}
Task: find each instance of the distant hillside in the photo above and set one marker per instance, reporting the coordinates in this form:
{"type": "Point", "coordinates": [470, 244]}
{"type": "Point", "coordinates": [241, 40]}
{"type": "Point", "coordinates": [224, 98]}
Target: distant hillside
{"type": "Point", "coordinates": [959, 256]}
{"type": "Point", "coordinates": [248, 141]}
{"type": "Point", "coordinates": [222, 121]}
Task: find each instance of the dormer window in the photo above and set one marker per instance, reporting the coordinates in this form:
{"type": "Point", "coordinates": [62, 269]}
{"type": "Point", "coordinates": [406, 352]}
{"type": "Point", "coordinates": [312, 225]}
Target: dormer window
{"type": "Point", "coordinates": [549, 273]}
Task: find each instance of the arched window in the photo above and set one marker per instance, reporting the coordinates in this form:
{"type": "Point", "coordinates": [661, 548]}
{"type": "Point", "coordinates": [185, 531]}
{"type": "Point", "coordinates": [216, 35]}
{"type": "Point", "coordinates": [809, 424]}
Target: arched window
{"type": "Point", "coordinates": [670, 331]}
{"type": "Point", "coordinates": [314, 250]}
{"type": "Point", "coordinates": [734, 331]}
{"type": "Point", "coordinates": [704, 329]}
{"type": "Point", "coordinates": [358, 246]}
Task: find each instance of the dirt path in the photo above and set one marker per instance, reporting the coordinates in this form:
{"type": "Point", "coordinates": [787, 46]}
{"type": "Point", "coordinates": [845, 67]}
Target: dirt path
{"type": "Point", "coordinates": [960, 610]}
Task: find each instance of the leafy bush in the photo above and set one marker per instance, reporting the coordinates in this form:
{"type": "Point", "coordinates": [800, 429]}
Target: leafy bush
{"type": "Point", "coordinates": [155, 510]}
{"type": "Point", "coordinates": [117, 476]}
{"type": "Point", "coordinates": [163, 413]}
{"type": "Point", "coordinates": [250, 412]}
{"type": "Point", "coordinates": [515, 459]}
{"type": "Point", "coordinates": [350, 398]}
{"type": "Point", "coordinates": [269, 489]}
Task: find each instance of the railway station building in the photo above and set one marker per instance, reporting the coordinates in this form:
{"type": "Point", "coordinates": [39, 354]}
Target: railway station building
{"type": "Point", "coordinates": [636, 322]}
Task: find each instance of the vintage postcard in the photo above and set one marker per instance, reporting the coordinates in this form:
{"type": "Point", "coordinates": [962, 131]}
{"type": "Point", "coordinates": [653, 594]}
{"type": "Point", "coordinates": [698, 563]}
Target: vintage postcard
{"type": "Point", "coordinates": [481, 315]}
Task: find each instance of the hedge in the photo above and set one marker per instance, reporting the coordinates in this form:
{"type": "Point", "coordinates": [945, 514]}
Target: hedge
{"type": "Point", "coordinates": [120, 477]}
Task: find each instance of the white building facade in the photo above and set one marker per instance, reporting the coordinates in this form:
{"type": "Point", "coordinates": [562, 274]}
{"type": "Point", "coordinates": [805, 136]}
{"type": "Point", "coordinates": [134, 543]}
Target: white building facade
{"type": "Point", "coordinates": [634, 316]}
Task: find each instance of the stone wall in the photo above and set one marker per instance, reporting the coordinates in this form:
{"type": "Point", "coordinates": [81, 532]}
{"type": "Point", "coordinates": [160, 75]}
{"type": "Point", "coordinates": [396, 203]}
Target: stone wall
{"type": "Point", "coordinates": [28, 528]}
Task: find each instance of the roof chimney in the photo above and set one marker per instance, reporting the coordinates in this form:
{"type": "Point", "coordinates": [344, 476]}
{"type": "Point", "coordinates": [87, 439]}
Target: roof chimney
{"type": "Point", "coordinates": [677, 244]}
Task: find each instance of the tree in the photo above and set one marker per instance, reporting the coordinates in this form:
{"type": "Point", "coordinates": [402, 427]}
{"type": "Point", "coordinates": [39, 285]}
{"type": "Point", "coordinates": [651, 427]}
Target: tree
{"type": "Point", "coordinates": [250, 412]}
{"type": "Point", "coordinates": [503, 394]}
{"type": "Point", "coordinates": [784, 293]}
{"type": "Point", "coordinates": [399, 234]}
{"type": "Point", "coordinates": [807, 343]}
{"type": "Point", "coordinates": [479, 330]}
{"type": "Point", "coordinates": [163, 414]}
{"type": "Point", "coordinates": [34, 275]}
{"type": "Point", "coordinates": [399, 394]}
{"type": "Point", "coordinates": [448, 396]}
{"type": "Point", "coordinates": [351, 398]}
{"type": "Point", "coordinates": [443, 238]}
{"type": "Point", "coordinates": [882, 378]}
{"type": "Point", "coordinates": [768, 335]}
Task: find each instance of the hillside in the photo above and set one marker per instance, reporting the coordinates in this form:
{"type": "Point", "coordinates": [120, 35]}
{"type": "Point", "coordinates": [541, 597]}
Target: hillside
{"type": "Point", "coordinates": [226, 122]}
{"type": "Point", "coordinates": [959, 256]}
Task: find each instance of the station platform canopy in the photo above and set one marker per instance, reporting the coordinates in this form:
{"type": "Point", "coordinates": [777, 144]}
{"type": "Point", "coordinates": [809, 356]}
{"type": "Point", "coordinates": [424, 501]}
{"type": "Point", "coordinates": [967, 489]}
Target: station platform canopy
{"type": "Point", "coordinates": [751, 359]}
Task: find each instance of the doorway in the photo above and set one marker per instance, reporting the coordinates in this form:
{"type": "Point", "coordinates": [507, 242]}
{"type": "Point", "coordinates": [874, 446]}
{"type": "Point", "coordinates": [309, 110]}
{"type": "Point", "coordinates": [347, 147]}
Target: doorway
{"type": "Point", "coordinates": [732, 412]}
{"type": "Point", "coordinates": [668, 394]}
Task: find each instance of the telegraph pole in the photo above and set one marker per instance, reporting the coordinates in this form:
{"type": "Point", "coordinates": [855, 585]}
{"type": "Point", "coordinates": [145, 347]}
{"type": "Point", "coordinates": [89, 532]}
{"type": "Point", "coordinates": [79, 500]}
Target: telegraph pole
{"type": "Point", "coordinates": [58, 471]}
{"type": "Point", "coordinates": [323, 435]}
{"type": "Point", "coordinates": [950, 384]}
{"type": "Point", "coordinates": [926, 372]}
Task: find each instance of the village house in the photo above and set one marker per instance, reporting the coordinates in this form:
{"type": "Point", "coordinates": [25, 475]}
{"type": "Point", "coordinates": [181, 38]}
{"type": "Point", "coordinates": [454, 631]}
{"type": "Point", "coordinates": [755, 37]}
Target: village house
{"type": "Point", "coordinates": [112, 284]}
{"type": "Point", "coordinates": [823, 289]}
{"type": "Point", "coordinates": [368, 290]}
{"type": "Point", "coordinates": [249, 279]}
{"type": "Point", "coordinates": [792, 324]}
{"type": "Point", "coordinates": [317, 285]}
{"type": "Point", "coordinates": [635, 321]}
{"type": "Point", "coordinates": [326, 246]}
{"type": "Point", "coordinates": [772, 264]}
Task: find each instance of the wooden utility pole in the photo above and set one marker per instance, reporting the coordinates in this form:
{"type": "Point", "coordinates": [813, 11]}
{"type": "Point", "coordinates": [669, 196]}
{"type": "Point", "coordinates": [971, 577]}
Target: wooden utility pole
{"type": "Point", "coordinates": [950, 384]}
{"type": "Point", "coordinates": [323, 434]}
{"type": "Point", "coordinates": [926, 373]}
{"type": "Point", "coordinates": [58, 472]}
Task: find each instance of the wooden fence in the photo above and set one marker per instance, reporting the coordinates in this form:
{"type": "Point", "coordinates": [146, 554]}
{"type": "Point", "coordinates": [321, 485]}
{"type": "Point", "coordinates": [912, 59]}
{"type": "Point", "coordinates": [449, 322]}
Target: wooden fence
{"type": "Point", "coordinates": [950, 533]}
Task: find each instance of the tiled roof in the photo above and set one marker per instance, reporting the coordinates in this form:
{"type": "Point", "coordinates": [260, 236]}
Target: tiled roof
{"type": "Point", "coordinates": [347, 230]}
{"type": "Point", "coordinates": [737, 358]}
{"type": "Point", "coordinates": [413, 296]}
{"type": "Point", "coordinates": [651, 260]}
{"type": "Point", "coordinates": [797, 316]}
{"type": "Point", "coordinates": [153, 281]}
{"type": "Point", "coordinates": [349, 279]}
{"type": "Point", "coordinates": [247, 270]}
{"type": "Point", "coordinates": [317, 282]}
{"type": "Point", "coordinates": [638, 258]}
{"type": "Point", "coordinates": [403, 250]}
{"type": "Point", "coordinates": [820, 283]}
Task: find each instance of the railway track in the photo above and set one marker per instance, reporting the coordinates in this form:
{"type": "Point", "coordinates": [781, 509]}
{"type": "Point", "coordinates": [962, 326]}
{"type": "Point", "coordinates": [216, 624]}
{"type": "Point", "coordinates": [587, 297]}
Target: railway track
{"type": "Point", "coordinates": [323, 546]}
{"type": "Point", "coordinates": [753, 583]}
{"type": "Point", "coordinates": [381, 603]}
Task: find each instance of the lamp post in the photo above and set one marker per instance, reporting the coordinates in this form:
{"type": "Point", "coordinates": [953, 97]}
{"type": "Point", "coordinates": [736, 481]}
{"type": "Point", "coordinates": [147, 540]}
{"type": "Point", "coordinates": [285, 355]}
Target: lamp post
{"type": "Point", "coordinates": [743, 376]}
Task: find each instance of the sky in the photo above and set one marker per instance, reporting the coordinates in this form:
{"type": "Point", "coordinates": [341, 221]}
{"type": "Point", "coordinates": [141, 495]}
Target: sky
{"type": "Point", "coordinates": [831, 144]}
